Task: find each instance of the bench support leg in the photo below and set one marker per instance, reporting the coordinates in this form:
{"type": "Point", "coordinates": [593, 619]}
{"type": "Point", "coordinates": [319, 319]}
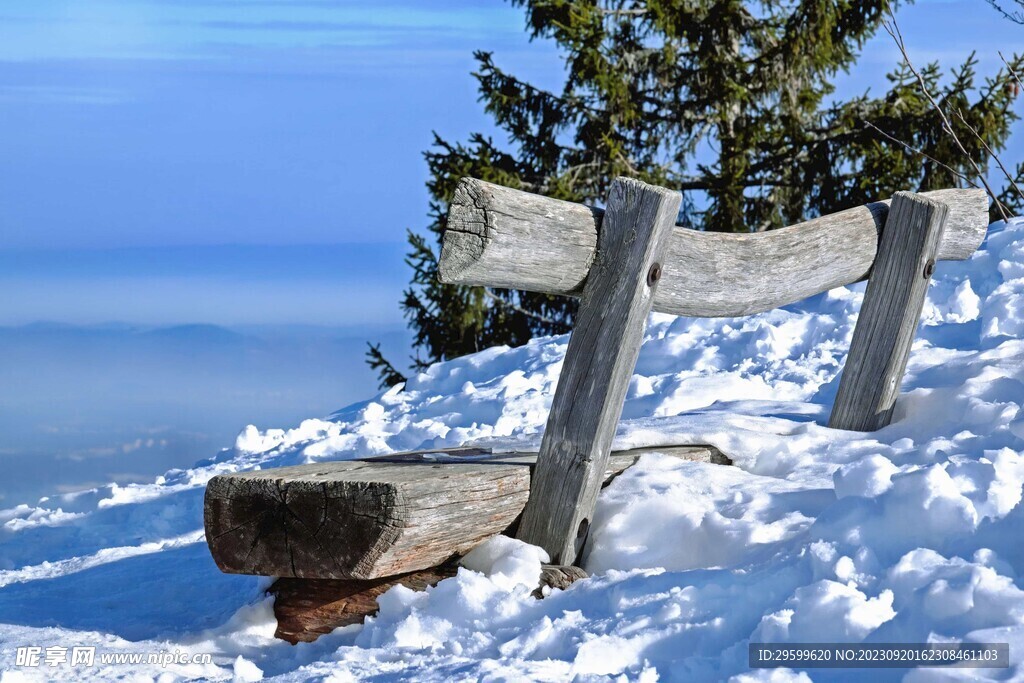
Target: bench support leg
{"type": "Point", "coordinates": [890, 314]}
{"type": "Point", "coordinates": [599, 362]}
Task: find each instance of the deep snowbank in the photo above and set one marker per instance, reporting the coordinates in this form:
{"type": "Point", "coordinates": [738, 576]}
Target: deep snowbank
{"type": "Point", "coordinates": [910, 533]}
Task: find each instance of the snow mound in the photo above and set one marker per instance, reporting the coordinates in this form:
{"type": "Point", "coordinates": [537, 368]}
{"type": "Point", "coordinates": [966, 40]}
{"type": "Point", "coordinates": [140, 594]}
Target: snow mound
{"type": "Point", "coordinates": [911, 533]}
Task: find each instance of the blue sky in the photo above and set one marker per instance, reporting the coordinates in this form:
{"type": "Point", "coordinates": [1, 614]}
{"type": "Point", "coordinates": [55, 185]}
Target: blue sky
{"type": "Point", "coordinates": [156, 124]}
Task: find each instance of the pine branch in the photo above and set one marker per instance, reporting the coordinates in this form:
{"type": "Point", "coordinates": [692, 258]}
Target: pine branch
{"type": "Point", "coordinates": [519, 309]}
{"type": "Point", "coordinates": [724, 101]}
{"type": "Point", "coordinates": [387, 373]}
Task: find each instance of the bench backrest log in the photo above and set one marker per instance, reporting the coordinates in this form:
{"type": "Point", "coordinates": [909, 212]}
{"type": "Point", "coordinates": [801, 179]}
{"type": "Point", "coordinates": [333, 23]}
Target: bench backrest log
{"type": "Point", "coordinates": [500, 237]}
{"type": "Point", "coordinates": [630, 259]}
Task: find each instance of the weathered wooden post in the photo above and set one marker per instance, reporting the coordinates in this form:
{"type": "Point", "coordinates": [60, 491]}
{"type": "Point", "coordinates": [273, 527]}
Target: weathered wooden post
{"type": "Point", "coordinates": [890, 314]}
{"type": "Point", "coordinates": [603, 349]}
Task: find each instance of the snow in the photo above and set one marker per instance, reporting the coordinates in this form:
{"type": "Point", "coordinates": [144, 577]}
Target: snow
{"type": "Point", "coordinates": [507, 562]}
{"type": "Point", "coordinates": [911, 533]}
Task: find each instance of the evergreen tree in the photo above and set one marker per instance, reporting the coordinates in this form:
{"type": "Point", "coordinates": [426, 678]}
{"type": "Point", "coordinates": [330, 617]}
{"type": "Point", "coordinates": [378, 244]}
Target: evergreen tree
{"type": "Point", "coordinates": [726, 101]}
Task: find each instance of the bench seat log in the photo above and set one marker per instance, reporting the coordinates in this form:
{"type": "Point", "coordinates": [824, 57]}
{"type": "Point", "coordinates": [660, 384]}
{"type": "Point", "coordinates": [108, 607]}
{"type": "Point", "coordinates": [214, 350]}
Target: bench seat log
{"type": "Point", "coordinates": [378, 517]}
{"type": "Point", "coordinates": [499, 237]}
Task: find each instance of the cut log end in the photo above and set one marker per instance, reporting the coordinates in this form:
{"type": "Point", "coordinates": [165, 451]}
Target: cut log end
{"type": "Point", "coordinates": [489, 225]}
{"type": "Point", "coordinates": [357, 519]}
{"type": "Point", "coordinates": [303, 526]}
{"type": "Point", "coordinates": [466, 232]}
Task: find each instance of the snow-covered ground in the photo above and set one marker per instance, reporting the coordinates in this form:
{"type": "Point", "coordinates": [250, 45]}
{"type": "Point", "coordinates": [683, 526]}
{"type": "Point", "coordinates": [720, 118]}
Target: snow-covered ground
{"type": "Point", "coordinates": [912, 533]}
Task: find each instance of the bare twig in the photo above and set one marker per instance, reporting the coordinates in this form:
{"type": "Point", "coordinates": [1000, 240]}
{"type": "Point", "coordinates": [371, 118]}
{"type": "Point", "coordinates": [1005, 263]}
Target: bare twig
{"type": "Point", "coordinates": [1012, 71]}
{"type": "Point", "coordinates": [920, 152]}
{"type": "Point", "coordinates": [621, 12]}
{"type": "Point", "coordinates": [893, 29]}
{"type": "Point", "coordinates": [991, 152]}
{"type": "Point", "coordinates": [1016, 17]}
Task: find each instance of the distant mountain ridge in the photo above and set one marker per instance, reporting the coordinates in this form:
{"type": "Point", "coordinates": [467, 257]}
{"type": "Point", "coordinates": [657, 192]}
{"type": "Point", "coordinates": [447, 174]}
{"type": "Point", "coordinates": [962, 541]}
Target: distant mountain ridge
{"type": "Point", "coordinates": [81, 404]}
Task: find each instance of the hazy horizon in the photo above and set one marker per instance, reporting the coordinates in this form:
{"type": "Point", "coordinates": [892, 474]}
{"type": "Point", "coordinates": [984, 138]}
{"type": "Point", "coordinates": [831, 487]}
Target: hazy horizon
{"type": "Point", "coordinates": [84, 405]}
{"type": "Point", "coordinates": [217, 284]}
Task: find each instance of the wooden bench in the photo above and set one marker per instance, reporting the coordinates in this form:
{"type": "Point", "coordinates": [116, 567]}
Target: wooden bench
{"type": "Point", "coordinates": [387, 520]}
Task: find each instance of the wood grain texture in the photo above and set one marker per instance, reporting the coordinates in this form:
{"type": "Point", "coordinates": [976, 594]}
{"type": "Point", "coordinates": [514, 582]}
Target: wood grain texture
{"type": "Point", "coordinates": [495, 234]}
{"type": "Point", "coordinates": [617, 463]}
{"type": "Point", "coordinates": [599, 361]}
{"type": "Point", "coordinates": [358, 520]}
{"type": "Point", "coordinates": [308, 608]}
{"type": "Point", "coordinates": [500, 237]}
{"type": "Point", "coordinates": [377, 517]}
{"type": "Point", "coordinates": [557, 577]}
{"type": "Point", "coordinates": [890, 314]}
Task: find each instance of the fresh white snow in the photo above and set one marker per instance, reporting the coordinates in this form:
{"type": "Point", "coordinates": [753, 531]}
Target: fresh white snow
{"type": "Point", "coordinates": [912, 533]}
